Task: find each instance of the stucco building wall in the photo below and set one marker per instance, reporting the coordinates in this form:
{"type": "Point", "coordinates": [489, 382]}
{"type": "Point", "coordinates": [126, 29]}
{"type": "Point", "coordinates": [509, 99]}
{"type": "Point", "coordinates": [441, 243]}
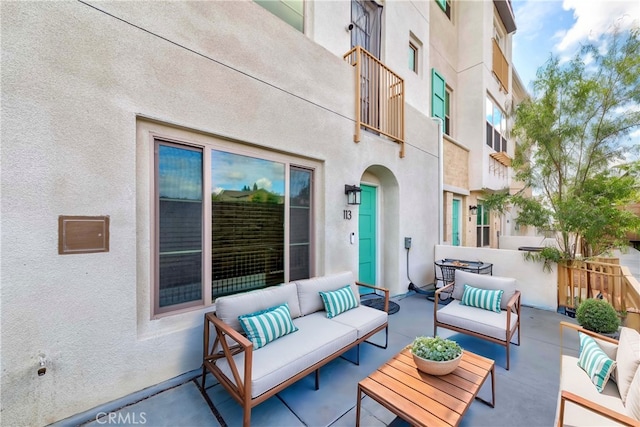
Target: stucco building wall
{"type": "Point", "coordinates": [83, 89]}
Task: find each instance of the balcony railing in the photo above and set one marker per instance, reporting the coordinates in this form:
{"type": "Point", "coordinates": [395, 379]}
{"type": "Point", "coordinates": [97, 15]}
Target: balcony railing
{"type": "Point", "coordinates": [500, 66]}
{"type": "Point", "coordinates": [379, 97]}
{"type": "Point", "coordinates": [589, 279]}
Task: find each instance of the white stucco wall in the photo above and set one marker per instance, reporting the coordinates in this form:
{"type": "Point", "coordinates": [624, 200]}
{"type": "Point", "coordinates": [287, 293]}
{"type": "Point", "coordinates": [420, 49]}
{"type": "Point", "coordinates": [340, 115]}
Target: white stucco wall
{"type": "Point", "coordinates": [538, 287]}
{"type": "Point", "coordinates": [76, 84]}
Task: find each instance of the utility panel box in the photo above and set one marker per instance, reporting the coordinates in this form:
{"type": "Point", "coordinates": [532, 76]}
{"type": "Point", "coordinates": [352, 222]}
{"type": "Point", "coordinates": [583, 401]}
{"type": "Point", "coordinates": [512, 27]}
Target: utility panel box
{"type": "Point", "coordinates": [83, 234]}
{"type": "Point", "coordinates": [407, 242]}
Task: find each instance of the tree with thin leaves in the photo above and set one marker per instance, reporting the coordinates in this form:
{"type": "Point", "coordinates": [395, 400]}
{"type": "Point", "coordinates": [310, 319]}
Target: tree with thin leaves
{"type": "Point", "coordinates": [576, 148]}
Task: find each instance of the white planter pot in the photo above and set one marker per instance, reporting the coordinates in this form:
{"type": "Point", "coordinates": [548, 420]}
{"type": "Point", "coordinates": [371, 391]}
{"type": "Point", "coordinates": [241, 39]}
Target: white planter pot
{"type": "Point", "coordinates": [436, 368]}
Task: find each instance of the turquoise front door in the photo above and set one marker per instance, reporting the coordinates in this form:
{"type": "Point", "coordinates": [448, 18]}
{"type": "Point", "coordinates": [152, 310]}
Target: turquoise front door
{"type": "Point", "coordinates": [367, 235]}
{"type": "Point", "coordinates": [455, 222]}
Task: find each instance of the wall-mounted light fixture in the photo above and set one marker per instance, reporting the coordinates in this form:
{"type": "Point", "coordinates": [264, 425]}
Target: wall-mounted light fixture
{"type": "Point", "coordinates": [473, 210]}
{"type": "Point", "coordinates": [353, 194]}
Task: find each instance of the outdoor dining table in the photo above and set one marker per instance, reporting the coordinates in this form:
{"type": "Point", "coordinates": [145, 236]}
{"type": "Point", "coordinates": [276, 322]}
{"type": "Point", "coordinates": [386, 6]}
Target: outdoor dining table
{"type": "Point", "coordinates": [477, 267]}
{"type": "Point", "coordinates": [449, 266]}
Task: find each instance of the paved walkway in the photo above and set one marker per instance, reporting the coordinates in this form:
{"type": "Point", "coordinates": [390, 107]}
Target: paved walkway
{"type": "Point", "coordinates": [525, 395]}
{"type": "Point", "coordinates": [631, 259]}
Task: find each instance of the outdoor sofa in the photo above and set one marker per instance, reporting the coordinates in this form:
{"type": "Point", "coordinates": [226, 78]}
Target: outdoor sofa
{"type": "Point", "coordinates": [497, 321]}
{"type": "Point", "coordinates": [252, 369]}
{"type": "Point", "coordinates": [615, 366]}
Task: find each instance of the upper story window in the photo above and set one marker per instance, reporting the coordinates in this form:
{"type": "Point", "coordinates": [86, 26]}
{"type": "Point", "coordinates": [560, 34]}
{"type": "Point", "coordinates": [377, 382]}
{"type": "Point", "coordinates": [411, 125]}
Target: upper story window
{"type": "Point", "coordinates": [226, 223]}
{"type": "Point", "coordinates": [290, 11]}
{"type": "Point", "coordinates": [499, 36]}
{"type": "Point", "coordinates": [447, 111]}
{"type": "Point", "coordinates": [496, 126]}
{"type": "Point", "coordinates": [366, 17]}
{"type": "Point", "coordinates": [445, 5]}
{"type": "Point", "coordinates": [413, 57]}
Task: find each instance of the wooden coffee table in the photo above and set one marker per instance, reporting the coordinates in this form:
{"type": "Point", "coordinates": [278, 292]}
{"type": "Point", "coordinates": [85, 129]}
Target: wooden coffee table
{"type": "Point", "coordinates": [427, 400]}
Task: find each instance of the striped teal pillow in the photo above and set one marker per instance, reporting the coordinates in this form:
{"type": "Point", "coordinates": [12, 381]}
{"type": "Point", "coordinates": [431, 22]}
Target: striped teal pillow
{"type": "Point", "coordinates": [482, 298]}
{"type": "Point", "coordinates": [595, 362]}
{"type": "Point", "coordinates": [338, 301]}
{"type": "Point", "coordinates": [265, 326]}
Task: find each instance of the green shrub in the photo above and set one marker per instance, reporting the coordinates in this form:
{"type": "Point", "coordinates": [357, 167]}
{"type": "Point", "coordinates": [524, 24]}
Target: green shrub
{"type": "Point", "coordinates": [597, 315]}
{"type": "Point", "coordinates": [435, 348]}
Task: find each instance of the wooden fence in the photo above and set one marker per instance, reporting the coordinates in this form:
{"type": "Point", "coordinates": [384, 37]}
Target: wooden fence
{"type": "Point", "coordinates": [602, 277]}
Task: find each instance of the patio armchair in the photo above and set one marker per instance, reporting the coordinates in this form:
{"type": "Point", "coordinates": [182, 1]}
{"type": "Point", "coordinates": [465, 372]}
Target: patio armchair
{"type": "Point", "coordinates": [486, 307]}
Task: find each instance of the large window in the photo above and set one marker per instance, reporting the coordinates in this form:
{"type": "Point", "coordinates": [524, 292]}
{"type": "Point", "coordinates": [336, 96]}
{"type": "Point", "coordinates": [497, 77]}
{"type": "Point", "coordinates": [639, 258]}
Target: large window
{"type": "Point", "coordinates": [235, 221]}
{"type": "Point", "coordinates": [496, 126]}
{"type": "Point", "coordinates": [179, 205]}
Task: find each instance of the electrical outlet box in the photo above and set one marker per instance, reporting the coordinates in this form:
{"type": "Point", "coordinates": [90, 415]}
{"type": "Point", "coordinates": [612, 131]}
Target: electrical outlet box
{"type": "Point", "coordinates": [407, 242]}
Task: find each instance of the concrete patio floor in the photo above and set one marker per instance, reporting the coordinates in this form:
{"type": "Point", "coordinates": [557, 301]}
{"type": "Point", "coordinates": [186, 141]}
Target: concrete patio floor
{"type": "Point", "coordinates": [525, 395]}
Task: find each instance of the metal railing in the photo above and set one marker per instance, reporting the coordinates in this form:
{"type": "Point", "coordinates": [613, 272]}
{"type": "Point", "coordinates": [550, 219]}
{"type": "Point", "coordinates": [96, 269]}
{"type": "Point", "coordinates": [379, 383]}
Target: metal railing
{"type": "Point", "coordinates": [500, 66]}
{"type": "Point", "coordinates": [590, 279]}
{"type": "Point", "coordinates": [379, 97]}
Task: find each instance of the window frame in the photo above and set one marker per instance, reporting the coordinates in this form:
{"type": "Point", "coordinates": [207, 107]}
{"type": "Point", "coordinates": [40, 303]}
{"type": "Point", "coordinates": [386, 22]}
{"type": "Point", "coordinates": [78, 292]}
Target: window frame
{"type": "Point", "coordinates": [208, 143]}
{"type": "Point", "coordinates": [448, 95]}
{"type": "Point", "coordinates": [482, 226]}
{"type": "Point", "coordinates": [446, 6]}
{"type": "Point", "coordinates": [156, 308]}
{"type": "Point", "coordinates": [499, 140]}
{"type": "Point", "coordinates": [413, 52]}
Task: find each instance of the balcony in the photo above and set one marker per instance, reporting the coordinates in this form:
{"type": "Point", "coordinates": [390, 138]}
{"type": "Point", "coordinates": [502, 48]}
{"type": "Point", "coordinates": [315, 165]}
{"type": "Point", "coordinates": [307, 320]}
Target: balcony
{"type": "Point", "coordinates": [379, 97]}
{"type": "Point", "coordinates": [500, 66]}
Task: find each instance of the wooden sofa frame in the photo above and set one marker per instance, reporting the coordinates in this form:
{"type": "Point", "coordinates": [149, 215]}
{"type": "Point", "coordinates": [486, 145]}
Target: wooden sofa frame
{"type": "Point", "coordinates": [513, 306]}
{"type": "Point", "coordinates": [242, 391]}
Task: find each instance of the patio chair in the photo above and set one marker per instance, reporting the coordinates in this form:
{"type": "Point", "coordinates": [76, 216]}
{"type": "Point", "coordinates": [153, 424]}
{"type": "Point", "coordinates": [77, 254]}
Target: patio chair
{"type": "Point", "coordinates": [447, 276]}
{"type": "Point", "coordinates": [480, 313]}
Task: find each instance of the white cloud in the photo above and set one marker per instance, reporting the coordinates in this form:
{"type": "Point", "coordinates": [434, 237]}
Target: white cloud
{"type": "Point", "coordinates": [531, 17]}
{"type": "Point", "coordinates": [264, 183]}
{"type": "Point", "coordinates": [597, 17]}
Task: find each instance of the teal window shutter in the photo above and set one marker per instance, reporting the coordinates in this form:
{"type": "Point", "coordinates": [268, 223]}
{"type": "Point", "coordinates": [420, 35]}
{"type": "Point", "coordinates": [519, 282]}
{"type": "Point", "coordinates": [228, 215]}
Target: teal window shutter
{"type": "Point", "coordinates": [438, 95]}
{"type": "Point", "coordinates": [442, 4]}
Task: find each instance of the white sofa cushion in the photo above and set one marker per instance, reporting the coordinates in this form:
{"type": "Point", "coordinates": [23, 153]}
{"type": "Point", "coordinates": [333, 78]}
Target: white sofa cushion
{"type": "Point", "coordinates": [364, 319]}
{"type": "Point", "coordinates": [484, 322]}
{"type": "Point", "coordinates": [633, 397]}
{"type": "Point", "coordinates": [317, 338]}
{"type": "Point", "coordinates": [628, 360]}
{"type": "Point", "coordinates": [308, 290]}
{"type": "Point", "coordinates": [228, 308]}
{"type": "Point", "coordinates": [484, 281]}
{"type": "Point", "coordinates": [575, 380]}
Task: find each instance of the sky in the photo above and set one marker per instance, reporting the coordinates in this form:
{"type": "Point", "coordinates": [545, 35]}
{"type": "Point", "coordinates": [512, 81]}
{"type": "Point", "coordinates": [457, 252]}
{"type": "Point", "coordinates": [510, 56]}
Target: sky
{"type": "Point", "coordinates": [558, 27]}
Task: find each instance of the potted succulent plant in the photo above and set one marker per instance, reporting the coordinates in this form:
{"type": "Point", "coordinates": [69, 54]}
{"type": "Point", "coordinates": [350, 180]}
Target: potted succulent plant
{"type": "Point", "coordinates": [436, 355]}
{"type": "Point", "coordinates": [598, 315]}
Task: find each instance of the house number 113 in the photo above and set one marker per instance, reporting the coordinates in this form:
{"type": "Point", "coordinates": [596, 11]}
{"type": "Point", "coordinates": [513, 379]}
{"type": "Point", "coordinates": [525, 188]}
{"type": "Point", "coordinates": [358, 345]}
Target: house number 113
{"type": "Point", "coordinates": [346, 214]}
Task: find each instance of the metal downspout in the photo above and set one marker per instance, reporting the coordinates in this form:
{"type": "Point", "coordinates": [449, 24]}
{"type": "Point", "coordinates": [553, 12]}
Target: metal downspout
{"type": "Point", "coordinates": [440, 180]}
